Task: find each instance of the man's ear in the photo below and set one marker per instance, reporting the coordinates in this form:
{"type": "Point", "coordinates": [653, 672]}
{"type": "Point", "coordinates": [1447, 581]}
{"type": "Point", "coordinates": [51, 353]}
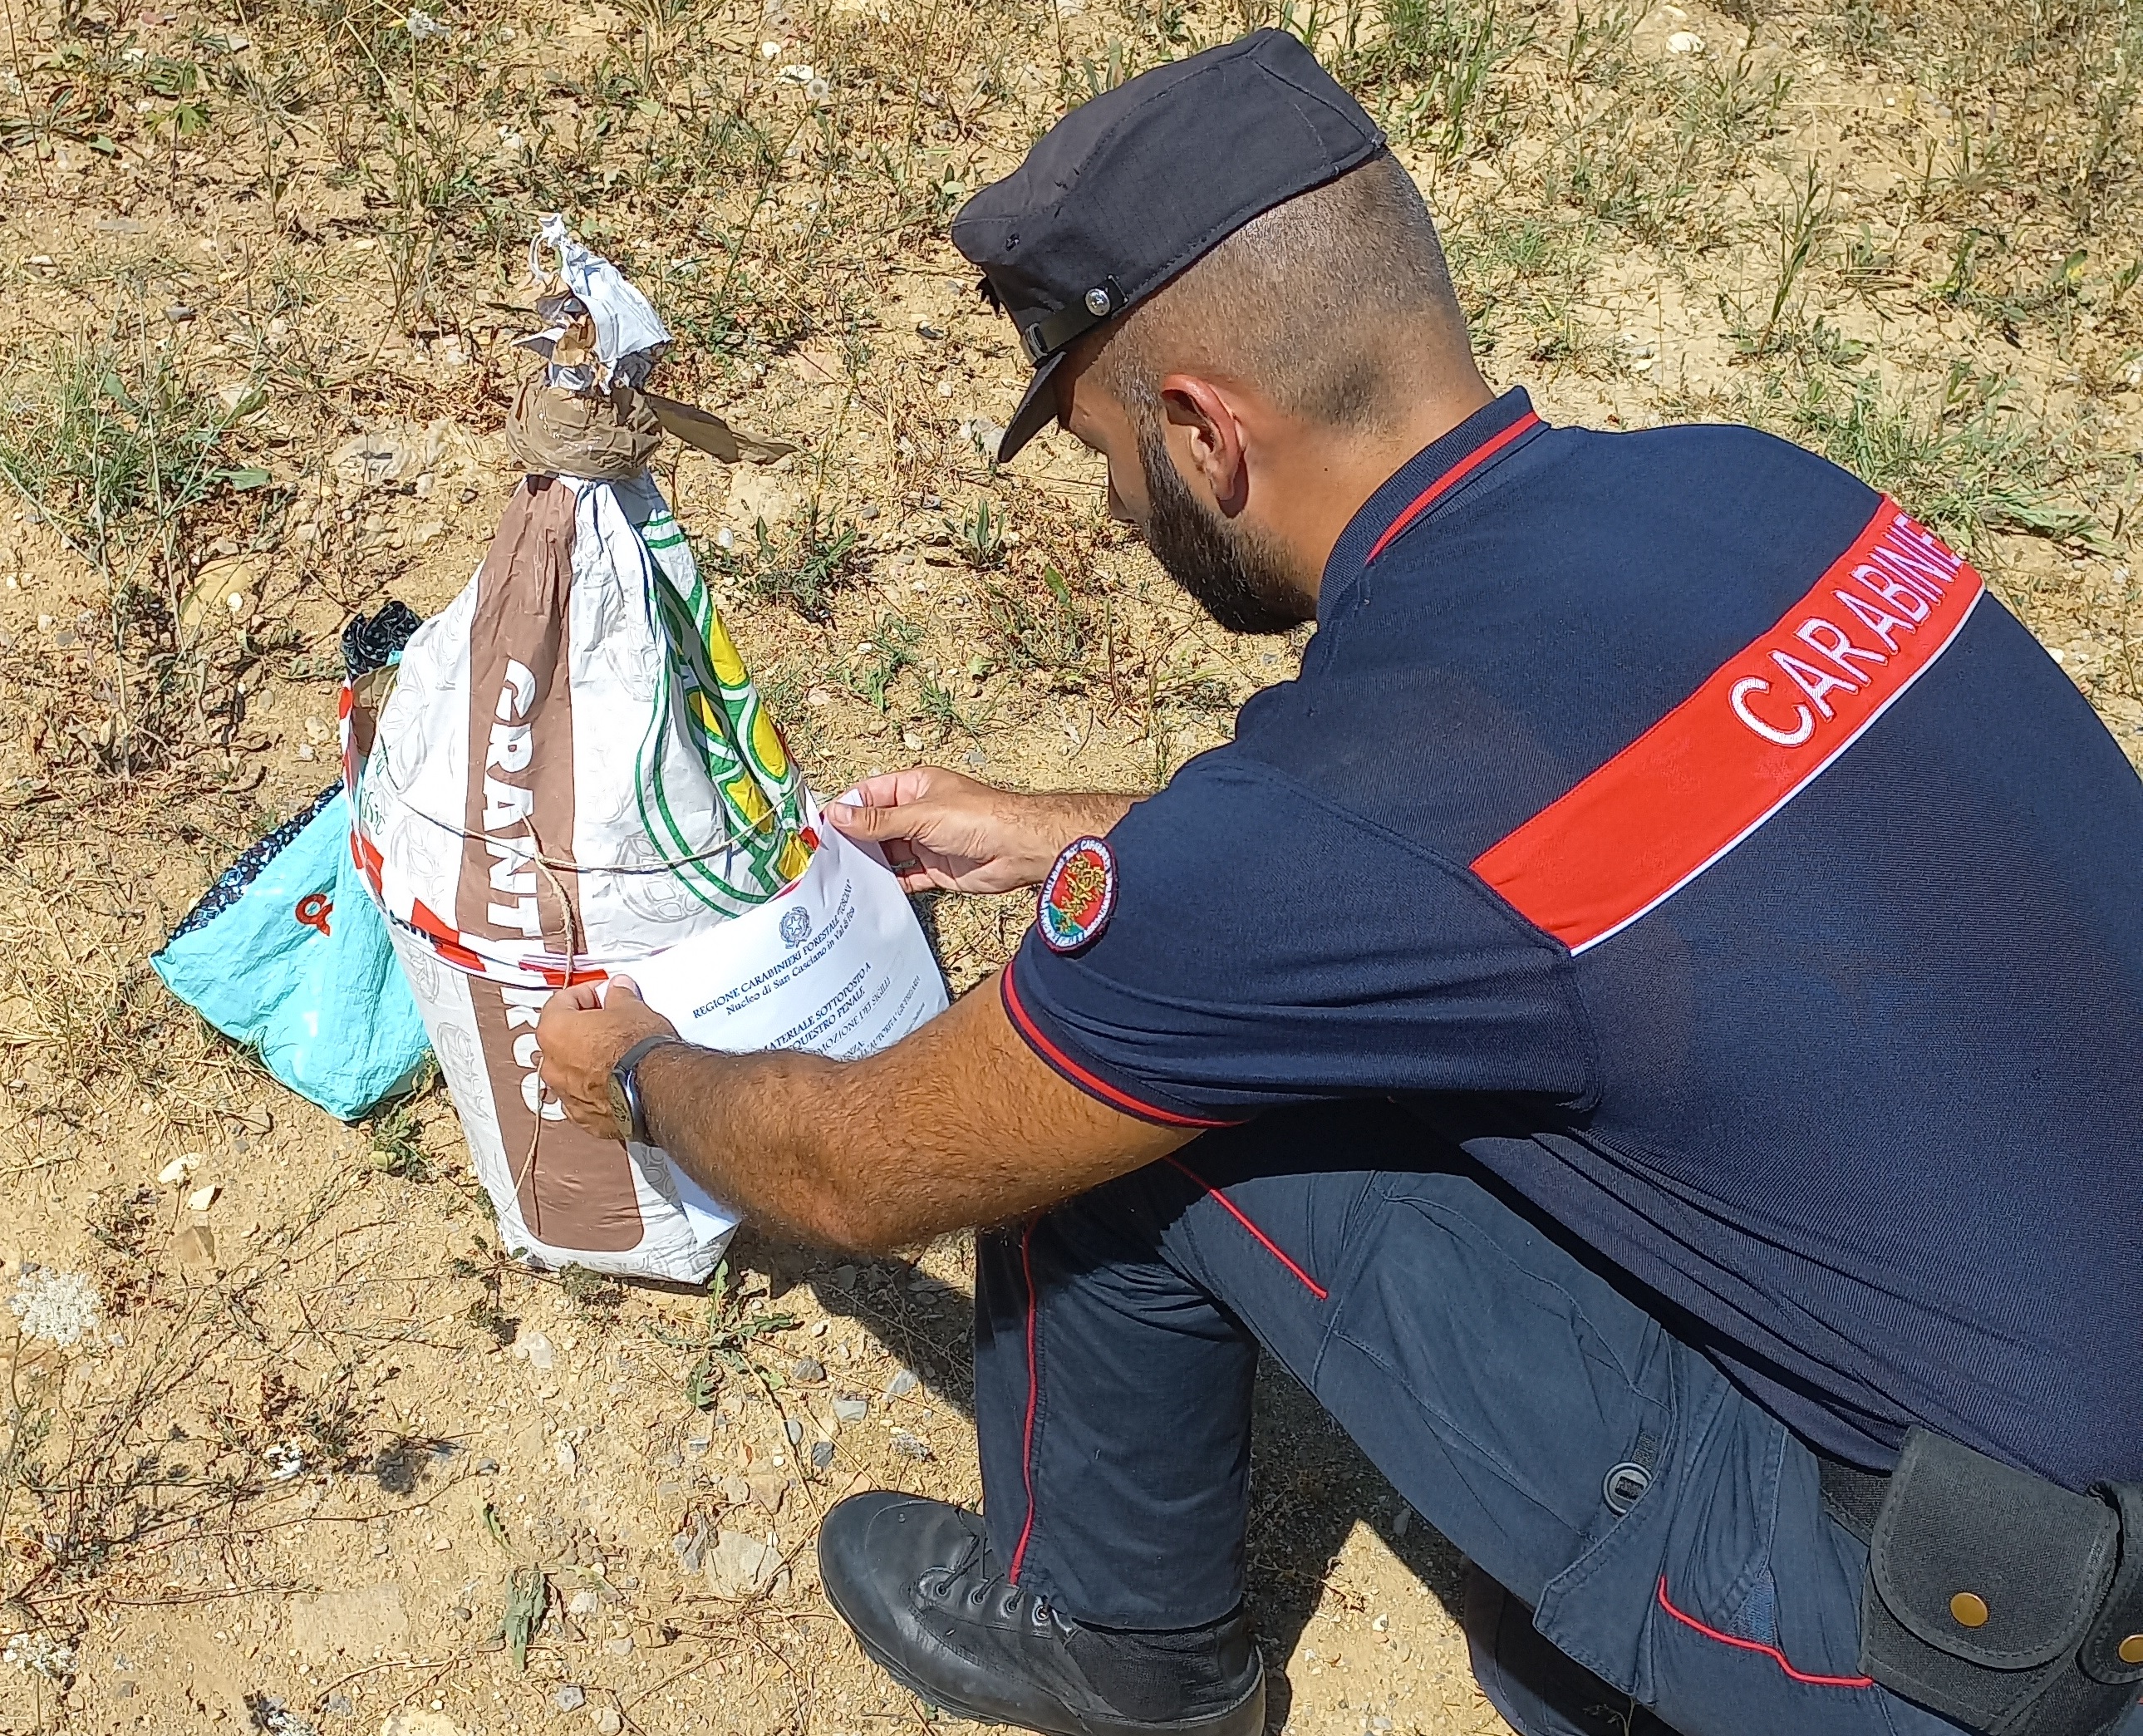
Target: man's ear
{"type": "Point", "coordinates": [1215, 438]}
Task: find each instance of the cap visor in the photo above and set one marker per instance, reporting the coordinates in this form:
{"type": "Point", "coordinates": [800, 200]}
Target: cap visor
{"type": "Point", "coordinates": [1035, 410]}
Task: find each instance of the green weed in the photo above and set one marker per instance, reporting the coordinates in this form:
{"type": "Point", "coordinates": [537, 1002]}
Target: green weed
{"type": "Point", "coordinates": [1051, 632]}
{"type": "Point", "coordinates": [802, 569]}
{"type": "Point", "coordinates": [592, 1293]}
{"type": "Point", "coordinates": [527, 1600]}
{"type": "Point", "coordinates": [725, 1343]}
{"type": "Point", "coordinates": [881, 658]}
{"type": "Point", "coordinates": [111, 442]}
{"type": "Point", "coordinates": [1962, 457]}
{"type": "Point", "coordinates": [941, 711]}
{"type": "Point", "coordinates": [1803, 223]}
{"type": "Point", "coordinates": [979, 537]}
{"type": "Point", "coordinates": [394, 1136]}
{"type": "Point", "coordinates": [1441, 58]}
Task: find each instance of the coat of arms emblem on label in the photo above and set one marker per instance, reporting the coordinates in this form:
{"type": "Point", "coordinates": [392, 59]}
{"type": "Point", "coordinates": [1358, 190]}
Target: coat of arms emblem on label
{"type": "Point", "coordinates": [1077, 896]}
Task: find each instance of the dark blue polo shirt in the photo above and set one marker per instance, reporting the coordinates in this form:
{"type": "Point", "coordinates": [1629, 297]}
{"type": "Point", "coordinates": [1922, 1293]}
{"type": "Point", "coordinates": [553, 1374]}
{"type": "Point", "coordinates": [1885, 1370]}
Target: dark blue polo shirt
{"type": "Point", "coordinates": [1669, 820]}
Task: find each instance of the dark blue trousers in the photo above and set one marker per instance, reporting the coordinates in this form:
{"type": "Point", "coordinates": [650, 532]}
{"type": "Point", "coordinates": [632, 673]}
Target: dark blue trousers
{"type": "Point", "coordinates": [1493, 1375]}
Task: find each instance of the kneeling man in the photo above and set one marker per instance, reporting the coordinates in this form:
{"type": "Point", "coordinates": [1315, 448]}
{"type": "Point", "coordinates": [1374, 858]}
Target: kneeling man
{"type": "Point", "coordinates": [1648, 1028]}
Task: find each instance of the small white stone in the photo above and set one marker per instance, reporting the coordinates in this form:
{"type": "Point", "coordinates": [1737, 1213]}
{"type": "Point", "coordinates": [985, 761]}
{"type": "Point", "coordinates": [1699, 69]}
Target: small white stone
{"type": "Point", "coordinates": [1684, 42]}
{"type": "Point", "coordinates": [176, 1171]}
{"type": "Point", "coordinates": [201, 1199]}
{"type": "Point", "coordinates": [740, 1564]}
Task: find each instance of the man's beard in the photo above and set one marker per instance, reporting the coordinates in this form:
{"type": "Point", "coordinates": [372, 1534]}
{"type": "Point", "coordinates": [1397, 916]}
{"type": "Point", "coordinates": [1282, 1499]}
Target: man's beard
{"type": "Point", "coordinates": [1236, 576]}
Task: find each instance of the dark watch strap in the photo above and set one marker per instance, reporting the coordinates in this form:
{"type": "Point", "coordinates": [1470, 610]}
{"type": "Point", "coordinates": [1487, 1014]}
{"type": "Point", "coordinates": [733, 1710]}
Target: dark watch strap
{"type": "Point", "coordinates": [626, 1084]}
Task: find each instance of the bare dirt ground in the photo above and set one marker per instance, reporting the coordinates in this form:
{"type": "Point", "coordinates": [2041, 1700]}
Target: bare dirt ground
{"type": "Point", "coordinates": [320, 1459]}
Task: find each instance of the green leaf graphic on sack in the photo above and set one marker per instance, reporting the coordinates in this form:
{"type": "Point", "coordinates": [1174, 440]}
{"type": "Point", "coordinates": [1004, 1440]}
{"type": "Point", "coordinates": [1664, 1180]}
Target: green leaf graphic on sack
{"type": "Point", "coordinates": [704, 684]}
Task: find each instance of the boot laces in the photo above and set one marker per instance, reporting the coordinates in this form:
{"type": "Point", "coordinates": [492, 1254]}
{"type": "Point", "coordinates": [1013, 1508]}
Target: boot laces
{"type": "Point", "coordinates": [968, 1583]}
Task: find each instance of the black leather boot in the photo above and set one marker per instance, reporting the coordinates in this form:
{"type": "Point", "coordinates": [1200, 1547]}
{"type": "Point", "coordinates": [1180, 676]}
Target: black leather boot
{"type": "Point", "coordinates": [913, 1578]}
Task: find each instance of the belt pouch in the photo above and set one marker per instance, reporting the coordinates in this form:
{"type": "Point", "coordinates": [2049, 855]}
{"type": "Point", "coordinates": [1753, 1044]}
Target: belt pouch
{"type": "Point", "coordinates": [1982, 1583]}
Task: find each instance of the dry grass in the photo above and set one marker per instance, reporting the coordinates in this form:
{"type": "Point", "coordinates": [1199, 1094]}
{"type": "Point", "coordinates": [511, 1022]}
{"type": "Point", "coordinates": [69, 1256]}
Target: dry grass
{"type": "Point", "coordinates": [240, 238]}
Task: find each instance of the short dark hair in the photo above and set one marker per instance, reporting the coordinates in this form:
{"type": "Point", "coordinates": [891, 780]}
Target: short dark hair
{"type": "Point", "coordinates": [1333, 303]}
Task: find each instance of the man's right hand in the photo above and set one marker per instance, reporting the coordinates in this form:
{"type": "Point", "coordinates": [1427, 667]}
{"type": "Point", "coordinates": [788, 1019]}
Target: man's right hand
{"type": "Point", "coordinates": [939, 829]}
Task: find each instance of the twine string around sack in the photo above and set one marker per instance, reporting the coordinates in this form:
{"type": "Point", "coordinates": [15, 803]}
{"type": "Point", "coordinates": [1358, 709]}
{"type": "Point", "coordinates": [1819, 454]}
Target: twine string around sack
{"type": "Point", "coordinates": [566, 865]}
{"type": "Point", "coordinates": [572, 920]}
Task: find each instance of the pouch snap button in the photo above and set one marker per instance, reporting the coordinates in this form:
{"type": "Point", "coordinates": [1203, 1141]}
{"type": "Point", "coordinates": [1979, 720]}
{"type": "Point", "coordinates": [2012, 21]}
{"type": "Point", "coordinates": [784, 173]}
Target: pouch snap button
{"type": "Point", "coordinates": [2131, 1649]}
{"type": "Point", "coordinates": [1968, 1610]}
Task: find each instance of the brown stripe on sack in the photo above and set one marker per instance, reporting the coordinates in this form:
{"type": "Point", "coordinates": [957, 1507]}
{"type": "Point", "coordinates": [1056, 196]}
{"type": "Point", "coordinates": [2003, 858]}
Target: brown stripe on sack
{"type": "Point", "coordinates": [578, 1191]}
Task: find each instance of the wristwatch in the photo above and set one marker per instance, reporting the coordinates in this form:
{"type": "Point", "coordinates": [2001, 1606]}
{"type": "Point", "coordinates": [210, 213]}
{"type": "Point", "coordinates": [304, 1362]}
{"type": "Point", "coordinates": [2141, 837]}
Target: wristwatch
{"type": "Point", "coordinates": [625, 1108]}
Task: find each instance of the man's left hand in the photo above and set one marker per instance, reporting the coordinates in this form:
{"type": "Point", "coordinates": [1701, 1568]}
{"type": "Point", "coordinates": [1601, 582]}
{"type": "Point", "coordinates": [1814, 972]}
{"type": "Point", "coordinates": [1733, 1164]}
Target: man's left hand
{"type": "Point", "coordinates": [583, 1032]}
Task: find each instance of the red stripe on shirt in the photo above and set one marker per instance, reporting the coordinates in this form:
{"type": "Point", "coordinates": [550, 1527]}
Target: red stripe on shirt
{"type": "Point", "coordinates": [1449, 480]}
{"type": "Point", "coordinates": [1087, 1081]}
{"type": "Point", "coordinates": [1774, 717]}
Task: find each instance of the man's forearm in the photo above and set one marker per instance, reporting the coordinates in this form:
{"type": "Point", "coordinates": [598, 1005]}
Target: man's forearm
{"type": "Point", "coordinates": [956, 1125]}
{"type": "Point", "coordinates": [751, 1129]}
{"type": "Point", "coordinates": [1085, 812]}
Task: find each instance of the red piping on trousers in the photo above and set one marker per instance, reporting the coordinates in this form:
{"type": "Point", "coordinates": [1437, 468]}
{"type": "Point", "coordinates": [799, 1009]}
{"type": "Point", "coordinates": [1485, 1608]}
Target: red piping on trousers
{"type": "Point", "coordinates": [1264, 1240]}
{"type": "Point", "coordinates": [1449, 480]}
{"type": "Point", "coordinates": [1033, 1401]}
{"type": "Point", "coordinates": [1772, 1652]}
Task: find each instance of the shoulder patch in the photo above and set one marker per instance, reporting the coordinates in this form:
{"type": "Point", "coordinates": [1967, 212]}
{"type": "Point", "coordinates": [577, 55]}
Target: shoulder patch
{"type": "Point", "coordinates": [1077, 896]}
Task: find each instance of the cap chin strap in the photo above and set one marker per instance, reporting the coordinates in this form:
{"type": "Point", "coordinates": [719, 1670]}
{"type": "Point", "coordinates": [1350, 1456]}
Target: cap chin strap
{"type": "Point", "coordinates": [1053, 331]}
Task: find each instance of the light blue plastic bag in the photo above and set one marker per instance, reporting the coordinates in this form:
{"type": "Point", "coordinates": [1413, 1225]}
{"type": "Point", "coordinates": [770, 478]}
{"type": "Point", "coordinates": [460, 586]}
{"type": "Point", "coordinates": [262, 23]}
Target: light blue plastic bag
{"type": "Point", "coordinates": [288, 954]}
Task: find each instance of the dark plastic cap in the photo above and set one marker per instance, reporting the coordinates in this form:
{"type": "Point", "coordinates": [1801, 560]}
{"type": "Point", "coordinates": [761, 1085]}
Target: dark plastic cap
{"type": "Point", "coordinates": [1129, 189]}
